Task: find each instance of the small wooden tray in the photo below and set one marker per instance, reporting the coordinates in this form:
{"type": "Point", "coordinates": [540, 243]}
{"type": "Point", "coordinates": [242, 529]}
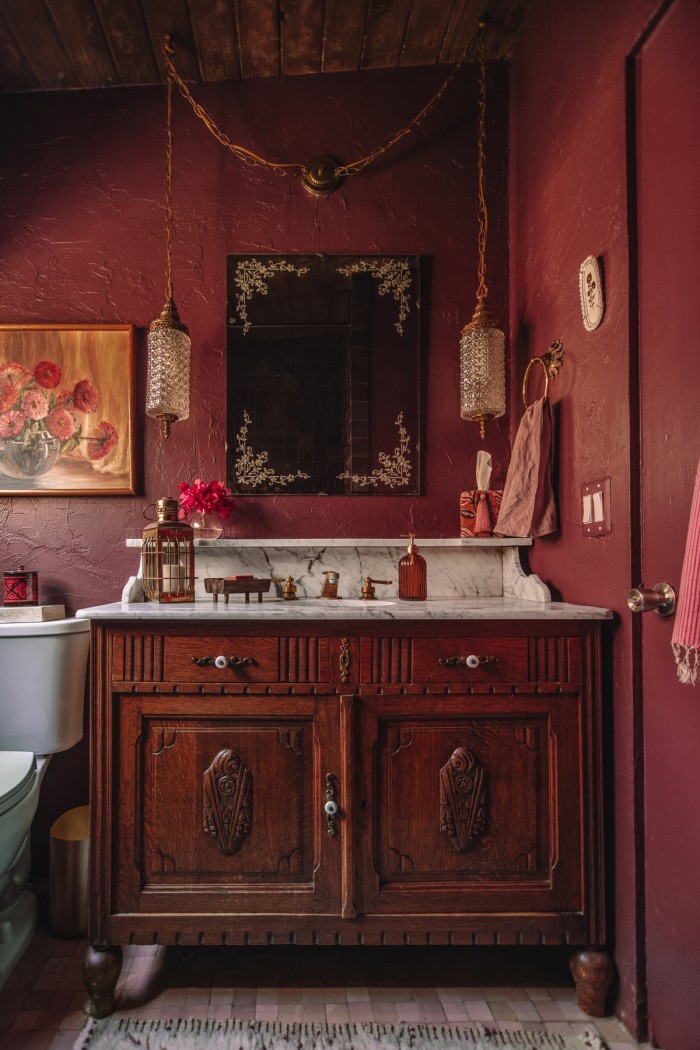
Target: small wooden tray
{"type": "Point", "coordinates": [216, 585]}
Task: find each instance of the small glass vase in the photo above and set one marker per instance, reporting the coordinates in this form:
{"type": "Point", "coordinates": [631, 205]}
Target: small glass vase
{"type": "Point", "coordinates": [206, 526]}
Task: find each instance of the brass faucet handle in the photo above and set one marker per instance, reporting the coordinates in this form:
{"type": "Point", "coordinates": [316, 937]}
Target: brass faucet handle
{"type": "Point", "coordinates": [367, 591]}
{"type": "Point", "coordinates": [289, 591]}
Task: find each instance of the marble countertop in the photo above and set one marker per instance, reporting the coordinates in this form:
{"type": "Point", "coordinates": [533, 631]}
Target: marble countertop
{"type": "Point", "coordinates": [478, 608]}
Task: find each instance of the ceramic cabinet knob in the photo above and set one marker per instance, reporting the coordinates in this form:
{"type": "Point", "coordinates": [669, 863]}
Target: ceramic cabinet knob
{"type": "Point", "coordinates": [221, 661]}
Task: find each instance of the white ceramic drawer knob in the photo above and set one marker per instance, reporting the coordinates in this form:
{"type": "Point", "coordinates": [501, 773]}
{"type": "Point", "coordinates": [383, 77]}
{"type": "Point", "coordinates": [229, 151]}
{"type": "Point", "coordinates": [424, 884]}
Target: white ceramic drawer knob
{"type": "Point", "coordinates": [473, 661]}
{"type": "Point", "coordinates": [221, 661]}
{"type": "Point", "coordinates": [331, 808]}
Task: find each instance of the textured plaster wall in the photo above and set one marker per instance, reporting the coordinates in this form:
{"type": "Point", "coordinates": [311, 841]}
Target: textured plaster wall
{"type": "Point", "coordinates": [82, 240]}
{"type": "Point", "coordinates": [568, 199]}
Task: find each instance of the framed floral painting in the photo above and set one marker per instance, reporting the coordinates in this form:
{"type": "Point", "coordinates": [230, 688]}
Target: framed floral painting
{"type": "Point", "coordinates": [66, 409]}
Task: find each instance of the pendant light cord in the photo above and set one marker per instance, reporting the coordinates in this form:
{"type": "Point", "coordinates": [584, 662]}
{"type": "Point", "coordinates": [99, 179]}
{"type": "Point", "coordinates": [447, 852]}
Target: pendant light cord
{"type": "Point", "coordinates": [169, 195]}
{"type": "Point", "coordinates": [482, 291]}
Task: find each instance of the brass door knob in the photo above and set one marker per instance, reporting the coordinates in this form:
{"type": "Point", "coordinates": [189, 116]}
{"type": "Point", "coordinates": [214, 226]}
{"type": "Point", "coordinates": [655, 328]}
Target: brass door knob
{"type": "Point", "coordinates": [661, 598]}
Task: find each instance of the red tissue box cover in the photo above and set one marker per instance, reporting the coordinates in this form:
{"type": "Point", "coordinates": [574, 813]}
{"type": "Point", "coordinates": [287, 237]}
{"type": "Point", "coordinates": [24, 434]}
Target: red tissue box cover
{"type": "Point", "coordinates": [478, 512]}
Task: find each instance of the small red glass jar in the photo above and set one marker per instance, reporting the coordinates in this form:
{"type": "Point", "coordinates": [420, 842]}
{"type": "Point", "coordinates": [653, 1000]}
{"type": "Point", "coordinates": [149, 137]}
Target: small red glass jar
{"type": "Point", "coordinates": [20, 587]}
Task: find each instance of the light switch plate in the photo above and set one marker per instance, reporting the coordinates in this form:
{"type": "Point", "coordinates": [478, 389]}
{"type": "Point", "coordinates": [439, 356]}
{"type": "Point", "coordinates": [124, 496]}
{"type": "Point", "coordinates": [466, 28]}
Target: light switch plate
{"type": "Point", "coordinates": [595, 508]}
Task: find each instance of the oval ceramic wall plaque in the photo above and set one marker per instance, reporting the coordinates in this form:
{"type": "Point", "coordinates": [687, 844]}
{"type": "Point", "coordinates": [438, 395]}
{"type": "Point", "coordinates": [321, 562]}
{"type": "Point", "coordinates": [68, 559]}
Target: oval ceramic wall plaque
{"type": "Point", "coordinates": [591, 291]}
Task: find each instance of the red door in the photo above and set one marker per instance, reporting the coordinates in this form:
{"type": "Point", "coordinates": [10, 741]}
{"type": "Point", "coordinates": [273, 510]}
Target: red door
{"type": "Point", "coordinates": [668, 198]}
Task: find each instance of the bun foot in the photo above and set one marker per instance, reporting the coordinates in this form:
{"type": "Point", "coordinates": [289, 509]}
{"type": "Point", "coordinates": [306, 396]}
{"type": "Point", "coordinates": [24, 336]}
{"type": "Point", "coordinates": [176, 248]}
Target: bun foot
{"type": "Point", "coordinates": [101, 969]}
{"type": "Point", "coordinates": [592, 971]}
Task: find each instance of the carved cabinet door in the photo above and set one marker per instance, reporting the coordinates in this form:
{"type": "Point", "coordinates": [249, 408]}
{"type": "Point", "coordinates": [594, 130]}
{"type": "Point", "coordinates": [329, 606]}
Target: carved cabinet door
{"type": "Point", "coordinates": [470, 804]}
{"type": "Point", "coordinates": [221, 810]}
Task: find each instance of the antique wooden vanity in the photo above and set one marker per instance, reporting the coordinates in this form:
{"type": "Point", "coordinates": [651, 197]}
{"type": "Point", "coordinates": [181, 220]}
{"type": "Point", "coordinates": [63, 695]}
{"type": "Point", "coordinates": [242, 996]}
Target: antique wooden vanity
{"type": "Point", "coordinates": [349, 772]}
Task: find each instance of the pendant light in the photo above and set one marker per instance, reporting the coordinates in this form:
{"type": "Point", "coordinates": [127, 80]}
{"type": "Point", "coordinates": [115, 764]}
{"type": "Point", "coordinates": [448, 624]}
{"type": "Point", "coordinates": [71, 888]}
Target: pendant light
{"type": "Point", "coordinates": [482, 345]}
{"type": "Point", "coordinates": [168, 378]}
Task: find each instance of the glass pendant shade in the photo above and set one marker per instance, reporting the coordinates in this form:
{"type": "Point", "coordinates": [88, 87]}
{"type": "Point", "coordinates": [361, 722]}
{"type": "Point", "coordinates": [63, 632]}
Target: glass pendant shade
{"type": "Point", "coordinates": [168, 377]}
{"type": "Point", "coordinates": [482, 368]}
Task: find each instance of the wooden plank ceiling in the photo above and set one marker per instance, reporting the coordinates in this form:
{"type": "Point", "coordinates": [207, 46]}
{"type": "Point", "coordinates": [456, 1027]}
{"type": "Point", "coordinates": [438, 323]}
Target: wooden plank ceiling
{"type": "Point", "coordinates": [51, 45]}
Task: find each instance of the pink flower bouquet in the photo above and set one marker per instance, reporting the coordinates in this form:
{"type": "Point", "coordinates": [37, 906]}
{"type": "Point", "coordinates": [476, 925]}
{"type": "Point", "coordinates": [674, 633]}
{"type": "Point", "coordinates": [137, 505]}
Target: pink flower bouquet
{"type": "Point", "coordinates": [31, 405]}
{"type": "Point", "coordinates": [210, 497]}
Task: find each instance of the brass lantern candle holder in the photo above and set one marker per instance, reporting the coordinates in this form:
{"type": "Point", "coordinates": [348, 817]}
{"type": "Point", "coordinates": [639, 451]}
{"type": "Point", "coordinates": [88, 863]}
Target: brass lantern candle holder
{"type": "Point", "coordinates": [167, 556]}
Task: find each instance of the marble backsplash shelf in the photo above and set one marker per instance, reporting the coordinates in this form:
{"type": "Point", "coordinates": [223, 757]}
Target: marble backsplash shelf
{"type": "Point", "coordinates": [488, 568]}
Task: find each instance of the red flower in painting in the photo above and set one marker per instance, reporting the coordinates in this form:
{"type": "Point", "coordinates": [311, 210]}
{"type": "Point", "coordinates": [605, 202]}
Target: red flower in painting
{"type": "Point", "coordinates": [34, 404]}
{"type": "Point", "coordinates": [60, 424]}
{"type": "Point", "coordinates": [47, 374]}
{"type": "Point", "coordinates": [102, 441]}
{"type": "Point", "coordinates": [12, 424]}
{"type": "Point", "coordinates": [85, 396]}
{"type": "Point", "coordinates": [64, 399]}
{"type": "Point", "coordinates": [210, 497]}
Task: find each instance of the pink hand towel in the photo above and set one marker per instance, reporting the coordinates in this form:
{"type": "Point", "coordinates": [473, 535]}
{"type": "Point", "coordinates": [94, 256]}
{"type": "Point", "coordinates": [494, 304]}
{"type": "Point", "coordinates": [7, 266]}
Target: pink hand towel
{"type": "Point", "coordinates": [527, 507]}
{"type": "Point", "coordinates": [686, 630]}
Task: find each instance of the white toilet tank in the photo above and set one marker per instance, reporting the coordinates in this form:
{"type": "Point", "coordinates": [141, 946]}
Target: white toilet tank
{"type": "Point", "coordinates": [42, 684]}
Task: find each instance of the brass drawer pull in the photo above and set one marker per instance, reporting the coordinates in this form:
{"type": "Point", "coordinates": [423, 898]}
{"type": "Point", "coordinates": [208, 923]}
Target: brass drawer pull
{"type": "Point", "coordinates": [467, 661]}
{"type": "Point", "coordinates": [223, 661]}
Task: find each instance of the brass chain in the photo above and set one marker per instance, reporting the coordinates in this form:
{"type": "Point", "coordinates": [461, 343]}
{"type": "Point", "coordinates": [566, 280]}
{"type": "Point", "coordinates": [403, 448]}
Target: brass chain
{"type": "Point", "coordinates": [169, 195]}
{"type": "Point", "coordinates": [363, 162]}
{"type": "Point", "coordinates": [482, 291]}
{"type": "Point", "coordinates": [279, 168]}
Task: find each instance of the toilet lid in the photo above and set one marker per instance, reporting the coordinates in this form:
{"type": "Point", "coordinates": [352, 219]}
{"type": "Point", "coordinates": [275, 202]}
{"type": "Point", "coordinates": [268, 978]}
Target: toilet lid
{"type": "Point", "coordinates": [17, 773]}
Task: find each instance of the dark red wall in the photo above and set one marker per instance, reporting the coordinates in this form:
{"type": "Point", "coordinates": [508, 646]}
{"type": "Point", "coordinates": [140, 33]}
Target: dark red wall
{"type": "Point", "coordinates": [568, 200]}
{"type": "Point", "coordinates": [82, 240]}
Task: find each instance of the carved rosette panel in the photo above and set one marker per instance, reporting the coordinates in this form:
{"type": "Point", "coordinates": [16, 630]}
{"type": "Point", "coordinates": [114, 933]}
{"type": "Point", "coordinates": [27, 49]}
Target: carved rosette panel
{"type": "Point", "coordinates": [227, 801]}
{"type": "Point", "coordinates": [463, 799]}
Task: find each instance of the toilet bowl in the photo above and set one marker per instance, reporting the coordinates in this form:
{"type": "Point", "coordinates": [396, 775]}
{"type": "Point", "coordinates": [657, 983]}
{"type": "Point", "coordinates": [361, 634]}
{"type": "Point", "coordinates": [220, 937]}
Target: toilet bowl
{"type": "Point", "coordinates": [42, 688]}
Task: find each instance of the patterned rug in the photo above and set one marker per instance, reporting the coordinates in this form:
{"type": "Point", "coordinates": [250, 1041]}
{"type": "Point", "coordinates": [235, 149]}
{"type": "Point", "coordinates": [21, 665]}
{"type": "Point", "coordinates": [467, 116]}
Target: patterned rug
{"type": "Point", "coordinates": [113, 1034]}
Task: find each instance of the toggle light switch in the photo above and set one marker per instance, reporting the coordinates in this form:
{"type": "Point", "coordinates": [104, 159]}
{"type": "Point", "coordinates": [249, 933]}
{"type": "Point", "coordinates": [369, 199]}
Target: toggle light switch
{"type": "Point", "coordinates": [595, 508]}
{"type": "Point", "coordinates": [587, 509]}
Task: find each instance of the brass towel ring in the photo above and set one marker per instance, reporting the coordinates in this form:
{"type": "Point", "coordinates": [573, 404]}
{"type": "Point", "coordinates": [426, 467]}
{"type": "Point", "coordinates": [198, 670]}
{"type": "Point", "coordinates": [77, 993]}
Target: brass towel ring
{"type": "Point", "coordinates": [551, 362]}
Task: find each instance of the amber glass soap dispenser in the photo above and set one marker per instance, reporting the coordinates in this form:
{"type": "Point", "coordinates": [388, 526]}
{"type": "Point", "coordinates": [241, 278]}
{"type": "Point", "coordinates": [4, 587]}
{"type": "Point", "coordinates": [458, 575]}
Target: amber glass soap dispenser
{"type": "Point", "coordinates": [413, 574]}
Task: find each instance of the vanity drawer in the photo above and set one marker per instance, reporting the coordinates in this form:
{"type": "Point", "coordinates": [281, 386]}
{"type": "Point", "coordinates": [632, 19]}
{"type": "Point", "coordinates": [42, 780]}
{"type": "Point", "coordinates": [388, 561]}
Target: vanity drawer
{"type": "Point", "coordinates": [470, 660]}
{"type": "Point", "coordinates": [247, 658]}
{"type": "Point", "coordinates": [460, 659]}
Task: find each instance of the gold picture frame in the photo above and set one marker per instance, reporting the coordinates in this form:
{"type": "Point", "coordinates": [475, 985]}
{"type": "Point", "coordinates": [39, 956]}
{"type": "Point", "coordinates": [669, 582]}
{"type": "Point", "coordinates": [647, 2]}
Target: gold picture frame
{"type": "Point", "coordinates": [67, 416]}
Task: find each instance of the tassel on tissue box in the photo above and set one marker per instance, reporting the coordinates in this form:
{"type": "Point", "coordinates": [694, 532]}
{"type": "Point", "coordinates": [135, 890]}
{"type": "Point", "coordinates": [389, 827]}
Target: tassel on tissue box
{"type": "Point", "coordinates": [478, 508]}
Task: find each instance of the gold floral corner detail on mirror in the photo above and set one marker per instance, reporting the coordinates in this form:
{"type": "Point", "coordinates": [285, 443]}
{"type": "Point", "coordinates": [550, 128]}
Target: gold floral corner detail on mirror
{"type": "Point", "coordinates": [250, 466]}
{"type": "Point", "coordinates": [395, 469]}
{"type": "Point", "coordinates": [252, 276]}
{"type": "Point", "coordinates": [394, 276]}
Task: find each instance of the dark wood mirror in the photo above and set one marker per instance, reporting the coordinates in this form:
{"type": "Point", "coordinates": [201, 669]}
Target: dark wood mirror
{"type": "Point", "coordinates": [323, 374]}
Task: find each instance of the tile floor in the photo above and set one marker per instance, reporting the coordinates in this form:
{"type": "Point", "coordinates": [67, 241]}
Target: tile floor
{"type": "Point", "coordinates": [41, 1004]}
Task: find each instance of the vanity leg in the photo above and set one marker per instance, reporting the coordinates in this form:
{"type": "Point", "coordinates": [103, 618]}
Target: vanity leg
{"type": "Point", "coordinates": [101, 969]}
{"type": "Point", "coordinates": [592, 970]}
